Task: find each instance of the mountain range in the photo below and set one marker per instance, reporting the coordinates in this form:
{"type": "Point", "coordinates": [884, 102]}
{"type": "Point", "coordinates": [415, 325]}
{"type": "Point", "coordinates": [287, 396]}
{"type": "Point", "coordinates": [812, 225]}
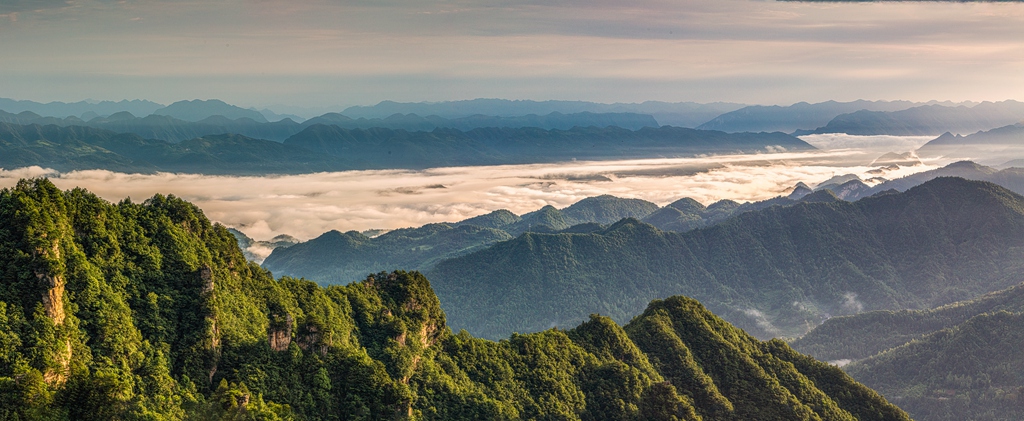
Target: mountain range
{"type": "Point", "coordinates": [330, 148]}
{"type": "Point", "coordinates": [680, 114]}
{"type": "Point", "coordinates": [336, 257]}
{"type": "Point", "coordinates": [1002, 145]}
{"type": "Point", "coordinates": [778, 271]}
{"type": "Point", "coordinates": [958, 361]}
{"type": "Point", "coordinates": [149, 311]}
{"type": "Point", "coordinates": [204, 121]}
{"type": "Point", "coordinates": [789, 119]}
{"type": "Point", "coordinates": [926, 120]}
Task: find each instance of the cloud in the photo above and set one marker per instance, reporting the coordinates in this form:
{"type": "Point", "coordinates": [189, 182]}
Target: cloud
{"type": "Point", "coordinates": [307, 205]}
{"type": "Point", "coordinates": [762, 321]}
{"type": "Point", "coordinates": [851, 304]}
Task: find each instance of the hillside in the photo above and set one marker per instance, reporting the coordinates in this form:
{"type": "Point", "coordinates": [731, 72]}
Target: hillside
{"type": "Point", "coordinates": [943, 241]}
{"type": "Point", "coordinates": [147, 311]}
{"type": "Point", "coordinates": [336, 257]}
{"type": "Point", "coordinates": [340, 258]}
{"type": "Point", "coordinates": [971, 371]}
{"type": "Point", "coordinates": [958, 361]}
{"type": "Point", "coordinates": [863, 335]}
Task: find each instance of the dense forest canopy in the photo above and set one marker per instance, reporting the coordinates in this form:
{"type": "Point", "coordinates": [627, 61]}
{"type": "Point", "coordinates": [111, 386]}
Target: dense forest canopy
{"type": "Point", "coordinates": [147, 311]}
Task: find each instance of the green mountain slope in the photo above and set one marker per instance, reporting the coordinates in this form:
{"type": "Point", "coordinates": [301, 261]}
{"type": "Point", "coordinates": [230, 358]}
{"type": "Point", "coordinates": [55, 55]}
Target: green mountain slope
{"type": "Point", "coordinates": [147, 311]}
{"type": "Point", "coordinates": [336, 257]}
{"type": "Point", "coordinates": [339, 258]}
{"type": "Point", "coordinates": [778, 271]}
{"type": "Point", "coordinates": [863, 335]}
{"type": "Point", "coordinates": [971, 371]}
{"type": "Point", "coordinates": [959, 361]}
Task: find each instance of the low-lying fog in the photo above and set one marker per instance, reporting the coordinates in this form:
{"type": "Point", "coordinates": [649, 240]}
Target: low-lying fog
{"type": "Point", "coordinates": [307, 205]}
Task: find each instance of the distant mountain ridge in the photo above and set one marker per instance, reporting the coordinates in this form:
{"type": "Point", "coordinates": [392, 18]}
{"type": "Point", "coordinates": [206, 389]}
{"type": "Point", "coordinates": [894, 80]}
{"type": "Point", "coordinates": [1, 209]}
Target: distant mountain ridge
{"type": "Point", "coordinates": [336, 257]}
{"type": "Point", "coordinates": [198, 110]}
{"type": "Point", "coordinates": [788, 119]}
{"type": "Point", "coordinates": [171, 129]}
{"type": "Point", "coordinates": [318, 261]}
{"type": "Point", "coordinates": [926, 120]}
{"type": "Point", "coordinates": [681, 114]}
{"type": "Point", "coordinates": [884, 252]}
{"type": "Point", "coordinates": [329, 148]}
{"type": "Point", "coordinates": [65, 109]}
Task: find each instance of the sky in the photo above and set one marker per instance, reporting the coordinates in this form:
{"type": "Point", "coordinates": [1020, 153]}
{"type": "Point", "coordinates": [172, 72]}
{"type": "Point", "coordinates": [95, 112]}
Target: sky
{"type": "Point", "coordinates": [323, 53]}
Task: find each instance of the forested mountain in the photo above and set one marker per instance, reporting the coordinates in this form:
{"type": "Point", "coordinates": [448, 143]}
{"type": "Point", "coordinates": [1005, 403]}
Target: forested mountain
{"type": "Point", "coordinates": [336, 257]}
{"type": "Point", "coordinates": [958, 361]}
{"type": "Point", "coordinates": [205, 121]}
{"type": "Point", "coordinates": [79, 148]}
{"type": "Point", "coordinates": [775, 272]}
{"type": "Point", "coordinates": [340, 258]}
{"type": "Point", "coordinates": [926, 120]}
{"type": "Point", "coordinates": [147, 311]}
{"type": "Point", "coordinates": [971, 371]}
{"type": "Point", "coordinates": [863, 335]}
{"type": "Point", "coordinates": [787, 119]}
{"type": "Point", "coordinates": [329, 148]}
{"type": "Point", "coordinates": [166, 128]}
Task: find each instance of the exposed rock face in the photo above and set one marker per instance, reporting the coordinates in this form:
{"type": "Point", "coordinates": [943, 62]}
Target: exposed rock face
{"type": "Point", "coordinates": [208, 294]}
{"type": "Point", "coordinates": [280, 334]}
{"type": "Point", "coordinates": [311, 339]}
{"type": "Point", "coordinates": [206, 275]}
{"type": "Point", "coordinates": [53, 299]}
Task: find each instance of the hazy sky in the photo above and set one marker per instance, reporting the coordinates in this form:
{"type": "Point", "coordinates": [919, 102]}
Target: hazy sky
{"type": "Point", "coordinates": [332, 52]}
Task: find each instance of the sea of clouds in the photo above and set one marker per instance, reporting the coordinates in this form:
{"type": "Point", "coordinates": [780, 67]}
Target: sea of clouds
{"type": "Point", "coordinates": [307, 205]}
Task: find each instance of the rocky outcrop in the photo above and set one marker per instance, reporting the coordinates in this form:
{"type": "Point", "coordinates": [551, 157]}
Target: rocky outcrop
{"type": "Point", "coordinates": [310, 338]}
{"type": "Point", "coordinates": [279, 333]}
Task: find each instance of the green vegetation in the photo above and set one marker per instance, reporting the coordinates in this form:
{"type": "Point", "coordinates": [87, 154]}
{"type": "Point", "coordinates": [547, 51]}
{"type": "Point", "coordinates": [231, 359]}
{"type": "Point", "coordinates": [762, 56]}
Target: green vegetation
{"type": "Point", "coordinates": [971, 371]}
{"type": "Point", "coordinates": [340, 258]}
{"type": "Point", "coordinates": [149, 312]}
{"type": "Point", "coordinates": [863, 335]}
{"type": "Point", "coordinates": [959, 361]}
{"type": "Point", "coordinates": [778, 271]}
{"type": "Point", "coordinates": [335, 257]}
